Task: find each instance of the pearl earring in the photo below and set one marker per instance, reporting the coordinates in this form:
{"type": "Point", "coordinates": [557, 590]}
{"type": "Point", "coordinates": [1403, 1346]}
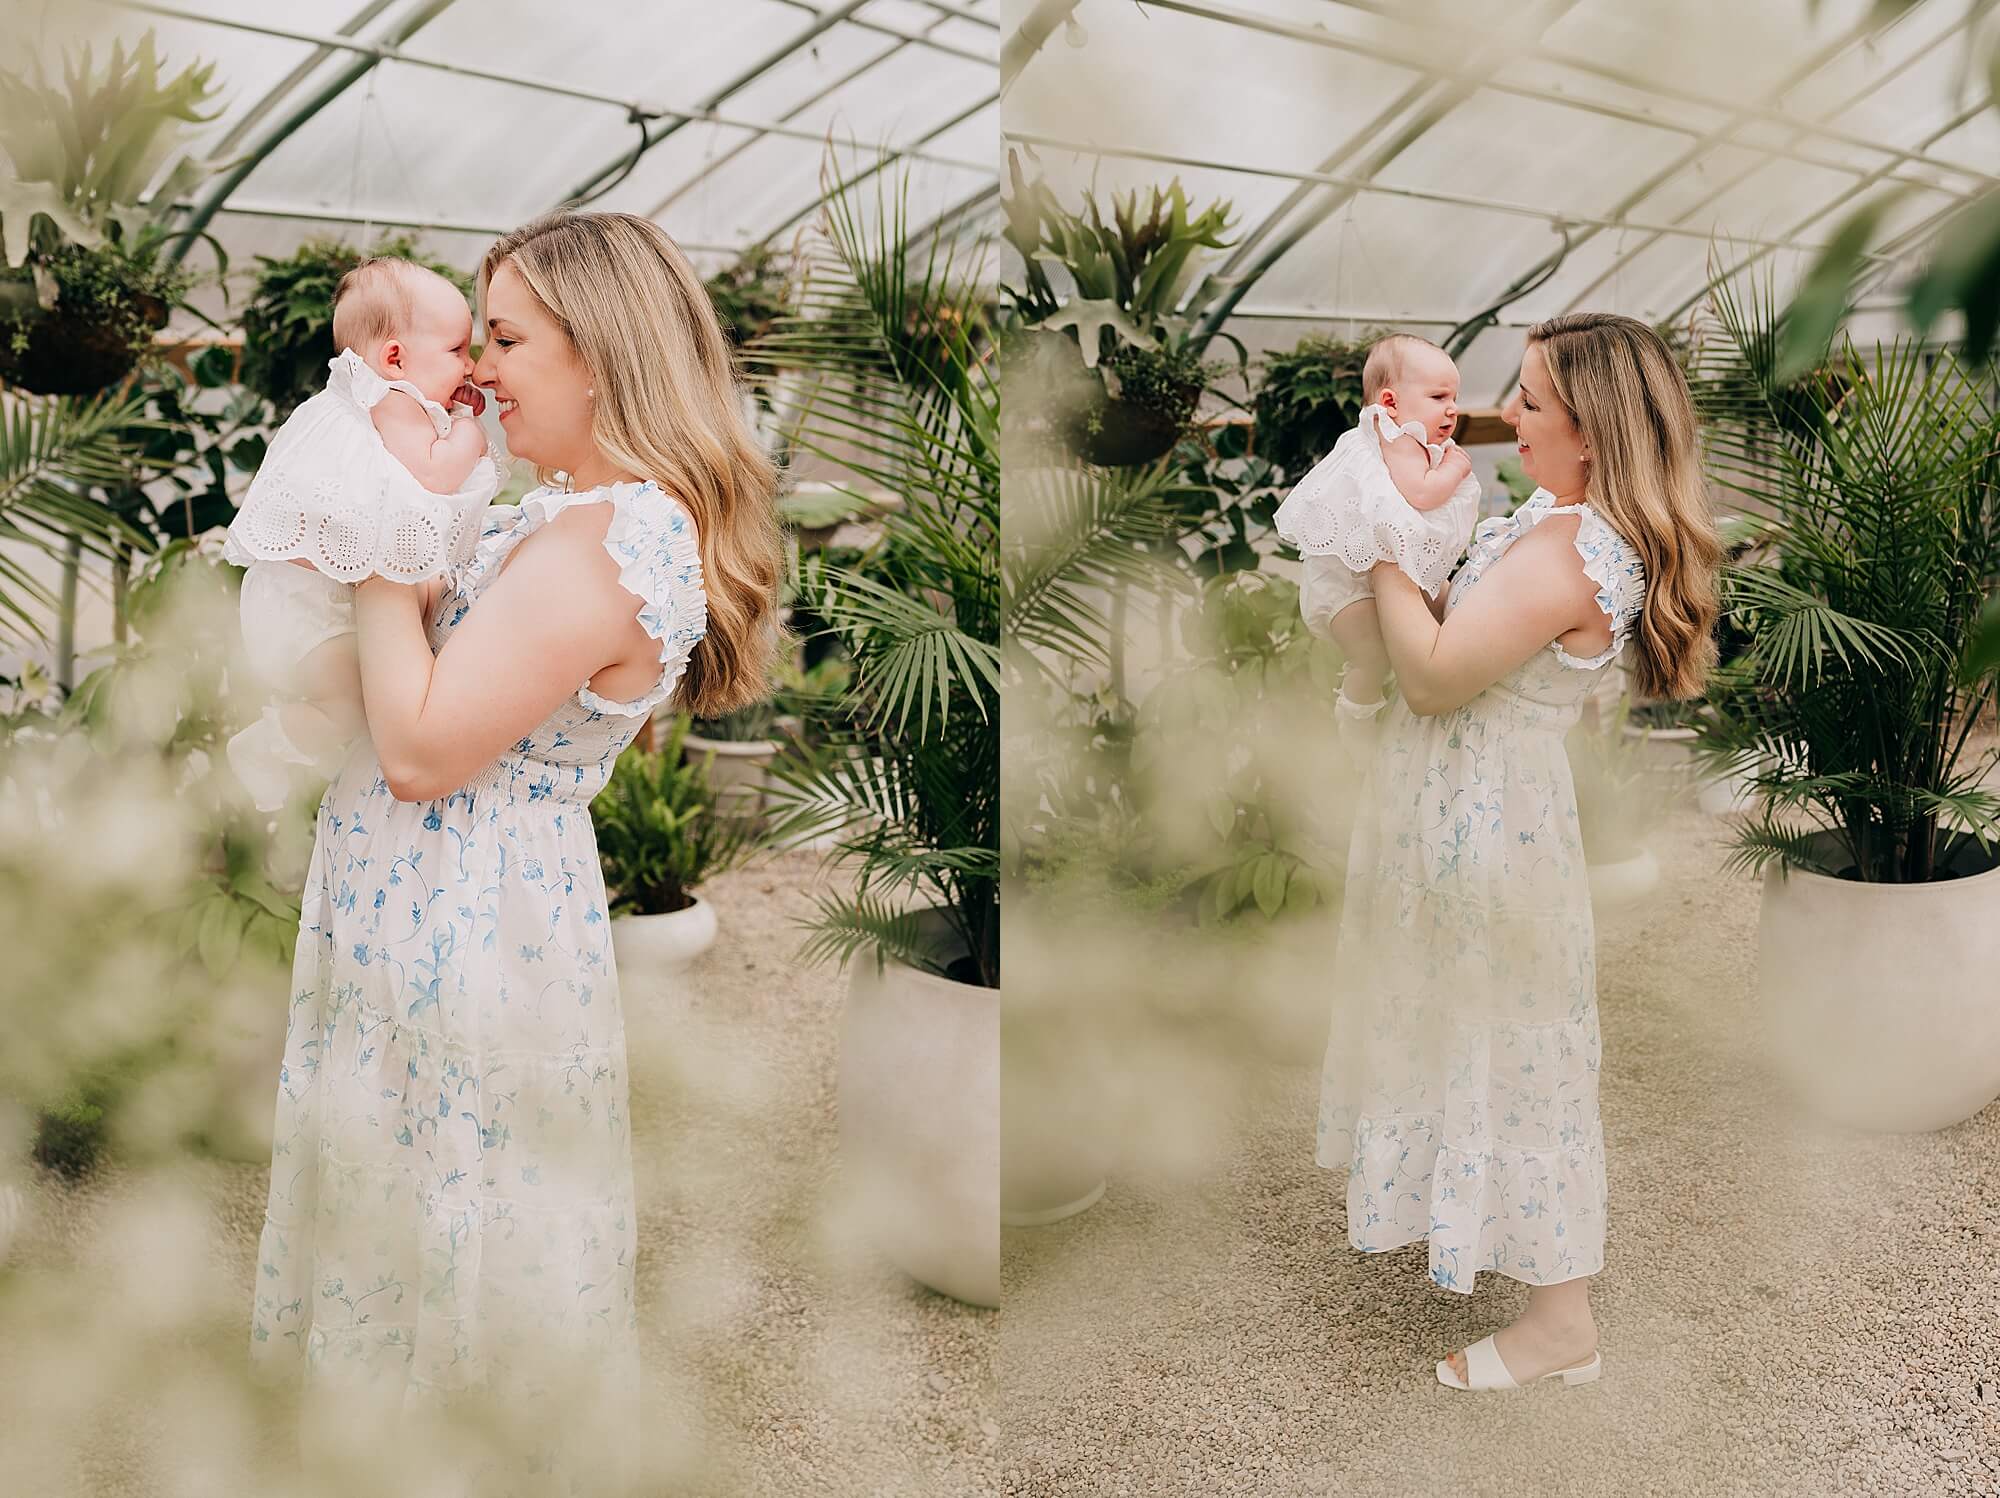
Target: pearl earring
{"type": "Point", "coordinates": [590, 392]}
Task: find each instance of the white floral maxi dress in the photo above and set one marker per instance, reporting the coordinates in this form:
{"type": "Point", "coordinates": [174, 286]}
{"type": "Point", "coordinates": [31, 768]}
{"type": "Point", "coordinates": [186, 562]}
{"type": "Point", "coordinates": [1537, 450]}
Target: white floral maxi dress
{"type": "Point", "coordinates": [451, 1203]}
{"type": "Point", "coordinates": [1460, 1084]}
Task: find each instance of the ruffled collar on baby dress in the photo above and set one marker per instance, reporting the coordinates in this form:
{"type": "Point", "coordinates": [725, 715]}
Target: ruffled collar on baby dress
{"type": "Point", "coordinates": [348, 376]}
{"type": "Point", "coordinates": [1377, 418]}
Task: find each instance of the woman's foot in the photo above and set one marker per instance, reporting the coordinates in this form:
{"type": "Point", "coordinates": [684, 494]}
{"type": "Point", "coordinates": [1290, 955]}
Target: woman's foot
{"type": "Point", "coordinates": [1538, 1345]}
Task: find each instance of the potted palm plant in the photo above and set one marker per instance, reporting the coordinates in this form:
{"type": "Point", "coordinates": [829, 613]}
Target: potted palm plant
{"type": "Point", "coordinates": [660, 833]}
{"type": "Point", "coordinates": [908, 780]}
{"type": "Point", "coordinates": [88, 277]}
{"type": "Point", "coordinates": [1875, 827]}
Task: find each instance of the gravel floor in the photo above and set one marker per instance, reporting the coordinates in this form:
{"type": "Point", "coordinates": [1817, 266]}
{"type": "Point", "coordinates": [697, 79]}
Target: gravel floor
{"type": "Point", "coordinates": [1782, 1309]}
{"type": "Point", "coordinates": [781, 1355]}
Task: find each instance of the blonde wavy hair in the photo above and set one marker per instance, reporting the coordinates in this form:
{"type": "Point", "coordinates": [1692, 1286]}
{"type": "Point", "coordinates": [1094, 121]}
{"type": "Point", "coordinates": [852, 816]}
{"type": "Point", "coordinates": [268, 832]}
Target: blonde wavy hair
{"type": "Point", "coordinates": [1627, 396]}
{"type": "Point", "coordinates": [668, 408]}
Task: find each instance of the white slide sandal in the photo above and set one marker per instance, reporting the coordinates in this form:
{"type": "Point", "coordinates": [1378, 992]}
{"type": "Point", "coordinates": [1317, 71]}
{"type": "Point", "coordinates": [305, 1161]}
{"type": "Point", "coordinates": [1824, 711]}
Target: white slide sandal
{"type": "Point", "coordinates": [1486, 1371]}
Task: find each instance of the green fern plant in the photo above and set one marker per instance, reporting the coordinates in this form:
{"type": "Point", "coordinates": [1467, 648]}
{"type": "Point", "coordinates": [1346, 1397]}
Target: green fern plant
{"type": "Point", "coordinates": [658, 832]}
{"type": "Point", "coordinates": [288, 316]}
{"type": "Point", "coordinates": [906, 776]}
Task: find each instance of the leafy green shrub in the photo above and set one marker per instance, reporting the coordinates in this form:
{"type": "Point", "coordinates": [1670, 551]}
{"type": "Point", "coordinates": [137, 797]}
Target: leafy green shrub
{"type": "Point", "coordinates": [288, 319]}
{"type": "Point", "coordinates": [752, 293]}
{"type": "Point", "coordinates": [1307, 397]}
{"type": "Point", "coordinates": [659, 834]}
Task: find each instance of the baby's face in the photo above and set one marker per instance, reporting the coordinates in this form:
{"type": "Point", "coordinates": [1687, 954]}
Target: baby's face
{"type": "Point", "coordinates": [435, 348]}
{"type": "Point", "coordinates": [1426, 392]}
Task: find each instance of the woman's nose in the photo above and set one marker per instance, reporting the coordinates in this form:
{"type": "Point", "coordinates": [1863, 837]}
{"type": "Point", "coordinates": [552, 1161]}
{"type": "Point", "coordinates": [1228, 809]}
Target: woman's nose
{"type": "Point", "coordinates": [479, 374]}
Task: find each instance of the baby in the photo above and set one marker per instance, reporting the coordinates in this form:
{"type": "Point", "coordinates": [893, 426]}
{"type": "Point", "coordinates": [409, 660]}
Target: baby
{"type": "Point", "coordinates": [371, 477]}
{"type": "Point", "coordinates": [1397, 489]}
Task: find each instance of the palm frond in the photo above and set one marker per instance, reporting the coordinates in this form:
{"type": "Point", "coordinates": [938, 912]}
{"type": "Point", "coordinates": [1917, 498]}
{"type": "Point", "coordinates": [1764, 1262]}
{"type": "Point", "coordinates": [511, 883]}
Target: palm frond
{"type": "Point", "coordinates": [51, 452]}
{"type": "Point", "coordinates": [1765, 841]}
{"type": "Point", "coordinates": [1071, 529]}
{"type": "Point", "coordinates": [845, 926]}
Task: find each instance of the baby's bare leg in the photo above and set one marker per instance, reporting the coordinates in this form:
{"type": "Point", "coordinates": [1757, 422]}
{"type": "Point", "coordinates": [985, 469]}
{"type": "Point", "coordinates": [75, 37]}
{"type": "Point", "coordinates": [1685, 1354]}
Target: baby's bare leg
{"type": "Point", "coordinates": [330, 680]}
{"type": "Point", "coordinates": [1359, 635]}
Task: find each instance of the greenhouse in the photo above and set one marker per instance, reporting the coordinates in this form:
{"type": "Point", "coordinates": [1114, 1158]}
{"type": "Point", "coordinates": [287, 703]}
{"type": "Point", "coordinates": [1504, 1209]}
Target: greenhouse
{"type": "Point", "coordinates": [561, 568]}
{"type": "Point", "coordinates": [189, 187]}
{"type": "Point", "coordinates": [1279, 991]}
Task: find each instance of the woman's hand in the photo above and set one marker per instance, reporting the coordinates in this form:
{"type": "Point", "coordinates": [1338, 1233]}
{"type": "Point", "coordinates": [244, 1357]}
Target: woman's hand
{"type": "Point", "coordinates": [1534, 595]}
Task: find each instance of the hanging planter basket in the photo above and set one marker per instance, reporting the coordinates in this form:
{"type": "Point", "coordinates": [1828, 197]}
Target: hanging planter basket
{"type": "Point", "coordinates": [1130, 410]}
{"type": "Point", "coordinates": [78, 346]}
{"type": "Point", "coordinates": [1121, 433]}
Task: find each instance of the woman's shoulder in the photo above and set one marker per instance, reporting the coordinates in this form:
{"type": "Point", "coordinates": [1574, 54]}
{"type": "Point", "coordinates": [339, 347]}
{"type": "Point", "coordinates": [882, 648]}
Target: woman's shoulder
{"type": "Point", "coordinates": [1616, 572]}
{"type": "Point", "coordinates": [646, 531]}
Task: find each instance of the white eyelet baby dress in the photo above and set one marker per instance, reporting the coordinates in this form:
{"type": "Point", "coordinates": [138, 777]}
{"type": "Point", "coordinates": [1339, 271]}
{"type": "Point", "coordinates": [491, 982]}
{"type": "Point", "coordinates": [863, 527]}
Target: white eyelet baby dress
{"type": "Point", "coordinates": [1347, 514]}
{"type": "Point", "coordinates": [328, 491]}
{"type": "Point", "coordinates": [1460, 1085]}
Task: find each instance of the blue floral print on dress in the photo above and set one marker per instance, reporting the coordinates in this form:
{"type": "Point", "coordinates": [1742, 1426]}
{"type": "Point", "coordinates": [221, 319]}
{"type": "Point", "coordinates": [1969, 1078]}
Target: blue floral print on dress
{"type": "Point", "coordinates": [1459, 1090]}
{"type": "Point", "coordinates": [451, 1199]}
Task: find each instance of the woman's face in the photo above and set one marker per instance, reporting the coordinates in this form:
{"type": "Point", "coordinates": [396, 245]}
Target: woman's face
{"type": "Point", "coordinates": [1550, 446]}
{"type": "Point", "coordinates": [535, 375]}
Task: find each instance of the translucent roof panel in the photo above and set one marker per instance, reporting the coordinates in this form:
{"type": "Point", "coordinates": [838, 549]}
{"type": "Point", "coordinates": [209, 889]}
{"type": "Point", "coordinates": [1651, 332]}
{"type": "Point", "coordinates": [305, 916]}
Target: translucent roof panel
{"type": "Point", "coordinates": [1411, 162]}
{"type": "Point", "coordinates": [464, 118]}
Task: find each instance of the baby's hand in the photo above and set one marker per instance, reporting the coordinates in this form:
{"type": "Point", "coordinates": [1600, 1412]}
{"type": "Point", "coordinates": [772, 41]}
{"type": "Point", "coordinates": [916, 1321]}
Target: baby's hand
{"type": "Point", "coordinates": [1456, 461]}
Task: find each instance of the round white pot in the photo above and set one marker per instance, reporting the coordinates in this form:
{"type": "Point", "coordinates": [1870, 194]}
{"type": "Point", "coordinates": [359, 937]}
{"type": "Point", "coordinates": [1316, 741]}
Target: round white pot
{"type": "Point", "coordinates": [1054, 1149]}
{"type": "Point", "coordinates": [1727, 796]}
{"type": "Point", "coordinates": [1879, 998]}
{"type": "Point", "coordinates": [920, 1121]}
{"type": "Point", "coordinates": [661, 943]}
{"type": "Point", "coordinates": [1671, 752]}
{"type": "Point", "coordinates": [1623, 880]}
{"type": "Point", "coordinates": [1668, 751]}
{"type": "Point", "coordinates": [740, 771]}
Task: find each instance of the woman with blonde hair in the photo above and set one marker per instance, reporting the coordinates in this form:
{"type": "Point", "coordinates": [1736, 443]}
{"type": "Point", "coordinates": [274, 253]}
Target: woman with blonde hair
{"type": "Point", "coordinates": [451, 1206]}
{"type": "Point", "coordinates": [1460, 1084]}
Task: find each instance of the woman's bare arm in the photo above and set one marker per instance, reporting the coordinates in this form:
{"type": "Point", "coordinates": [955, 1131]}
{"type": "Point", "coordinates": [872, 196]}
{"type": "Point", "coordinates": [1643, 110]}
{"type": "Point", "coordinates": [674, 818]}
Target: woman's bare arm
{"type": "Point", "coordinates": [1534, 595]}
{"type": "Point", "coordinates": [554, 617]}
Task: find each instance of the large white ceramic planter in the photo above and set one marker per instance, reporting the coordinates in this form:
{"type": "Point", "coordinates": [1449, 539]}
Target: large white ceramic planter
{"type": "Point", "coordinates": [920, 1122]}
{"type": "Point", "coordinates": [661, 943]}
{"type": "Point", "coordinates": [1668, 751]}
{"type": "Point", "coordinates": [1880, 999]}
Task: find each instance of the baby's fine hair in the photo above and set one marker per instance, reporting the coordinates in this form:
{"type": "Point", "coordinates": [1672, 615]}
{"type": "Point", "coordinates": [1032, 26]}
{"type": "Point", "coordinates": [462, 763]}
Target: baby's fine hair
{"type": "Point", "coordinates": [373, 301]}
{"type": "Point", "coordinates": [1384, 365]}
